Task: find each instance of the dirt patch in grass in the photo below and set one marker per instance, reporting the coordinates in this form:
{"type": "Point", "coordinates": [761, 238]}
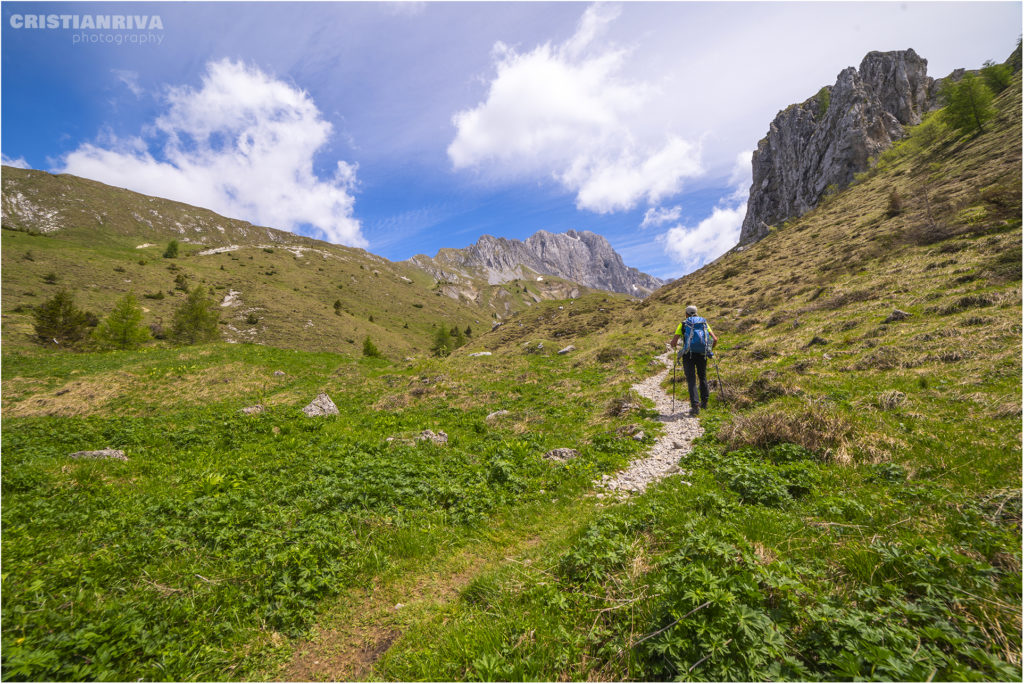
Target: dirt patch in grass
{"type": "Point", "coordinates": [75, 398]}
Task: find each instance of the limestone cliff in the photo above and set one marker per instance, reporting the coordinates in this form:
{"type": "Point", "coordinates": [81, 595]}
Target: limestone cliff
{"type": "Point", "coordinates": [823, 141]}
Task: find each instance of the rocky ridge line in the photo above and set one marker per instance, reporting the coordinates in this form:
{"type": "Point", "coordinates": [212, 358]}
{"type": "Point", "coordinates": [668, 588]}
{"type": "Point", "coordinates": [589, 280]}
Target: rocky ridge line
{"type": "Point", "coordinates": [582, 257]}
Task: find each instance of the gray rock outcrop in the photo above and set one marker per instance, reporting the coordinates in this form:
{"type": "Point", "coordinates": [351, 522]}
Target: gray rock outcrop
{"type": "Point", "coordinates": [822, 142]}
{"type": "Point", "coordinates": [579, 256]}
{"type": "Point", "coordinates": [561, 455]}
{"type": "Point", "coordinates": [103, 454]}
{"type": "Point", "coordinates": [321, 406]}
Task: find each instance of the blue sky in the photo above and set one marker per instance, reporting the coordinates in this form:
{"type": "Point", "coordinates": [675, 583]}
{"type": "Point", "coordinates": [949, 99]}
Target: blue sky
{"type": "Point", "coordinates": [407, 127]}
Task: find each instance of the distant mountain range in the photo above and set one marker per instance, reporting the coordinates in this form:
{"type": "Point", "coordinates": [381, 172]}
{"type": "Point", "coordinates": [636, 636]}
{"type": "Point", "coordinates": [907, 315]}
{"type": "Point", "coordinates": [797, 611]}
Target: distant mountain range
{"type": "Point", "coordinates": [579, 256]}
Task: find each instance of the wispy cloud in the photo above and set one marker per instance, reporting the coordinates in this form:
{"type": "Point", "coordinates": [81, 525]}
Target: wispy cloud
{"type": "Point", "coordinates": [243, 145]}
{"type": "Point", "coordinates": [130, 80]}
{"type": "Point", "coordinates": [658, 216]}
{"type": "Point", "coordinates": [566, 112]}
{"type": "Point", "coordinates": [18, 162]}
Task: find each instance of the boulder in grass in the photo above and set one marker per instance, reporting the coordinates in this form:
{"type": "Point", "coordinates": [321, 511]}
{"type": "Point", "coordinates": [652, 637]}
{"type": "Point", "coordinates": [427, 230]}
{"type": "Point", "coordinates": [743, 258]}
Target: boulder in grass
{"type": "Point", "coordinates": [896, 315]}
{"type": "Point", "coordinates": [439, 438]}
{"type": "Point", "coordinates": [111, 454]}
{"type": "Point", "coordinates": [491, 417]}
{"type": "Point", "coordinates": [566, 350]}
{"type": "Point", "coordinates": [561, 455]}
{"type": "Point", "coordinates": [481, 354]}
{"type": "Point", "coordinates": [252, 410]}
{"type": "Point", "coordinates": [321, 406]}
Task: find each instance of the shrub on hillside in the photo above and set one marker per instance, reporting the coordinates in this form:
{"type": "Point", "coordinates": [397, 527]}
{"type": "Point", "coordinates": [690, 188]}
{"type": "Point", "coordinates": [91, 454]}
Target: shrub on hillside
{"type": "Point", "coordinates": [195, 319]}
{"type": "Point", "coordinates": [370, 349]}
{"type": "Point", "coordinates": [172, 250]}
{"type": "Point", "coordinates": [123, 328]}
{"type": "Point", "coordinates": [59, 321]}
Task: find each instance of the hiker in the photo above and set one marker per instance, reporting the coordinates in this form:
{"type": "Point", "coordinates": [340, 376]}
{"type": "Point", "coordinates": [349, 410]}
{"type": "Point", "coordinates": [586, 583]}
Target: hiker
{"type": "Point", "coordinates": [696, 351]}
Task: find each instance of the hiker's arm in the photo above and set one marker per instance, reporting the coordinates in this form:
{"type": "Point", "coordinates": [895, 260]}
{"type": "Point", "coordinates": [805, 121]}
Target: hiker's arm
{"type": "Point", "coordinates": [675, 338]}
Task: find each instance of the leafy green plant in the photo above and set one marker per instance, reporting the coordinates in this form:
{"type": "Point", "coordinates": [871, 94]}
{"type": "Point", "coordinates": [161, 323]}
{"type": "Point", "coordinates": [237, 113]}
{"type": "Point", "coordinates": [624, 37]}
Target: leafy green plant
{"type": "Point", "coordinates": [171, 252]}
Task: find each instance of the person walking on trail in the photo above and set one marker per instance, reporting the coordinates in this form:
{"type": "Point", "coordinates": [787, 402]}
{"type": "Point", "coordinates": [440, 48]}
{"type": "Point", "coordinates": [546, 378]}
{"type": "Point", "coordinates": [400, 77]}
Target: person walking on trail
{"type": "Point", "coordinates": [698, 342]}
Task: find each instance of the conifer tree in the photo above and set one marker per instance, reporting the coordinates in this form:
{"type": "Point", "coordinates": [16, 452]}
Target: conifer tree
{"type": "Point", "coordinates": [58, 320]}
{"type": "Point", "coordinates": [123, 328]}
{"type": "Point", "coordinates": [370, 349]}
{"type": "Point", "coordinates": [172, 250]}
{"type": "Point", "coordinates": [969, 104]}
{"type": "Point", "coordinates": [195, 319]}
{"type": "Point", "coordinates": [442, 341]}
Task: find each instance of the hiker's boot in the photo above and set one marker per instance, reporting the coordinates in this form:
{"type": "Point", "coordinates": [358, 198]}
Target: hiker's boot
{"type": "Point", "coordinates": [704, 404]}
{"type": "Point", "coordinates": [694, 410]}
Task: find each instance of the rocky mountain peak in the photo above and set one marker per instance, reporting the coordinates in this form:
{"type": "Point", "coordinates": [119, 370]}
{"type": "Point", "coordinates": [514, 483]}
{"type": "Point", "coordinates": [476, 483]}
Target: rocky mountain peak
{"type": "Point", "coordinates": [582, 257]}
{"type": "Point", "coordinates": [822, 142]}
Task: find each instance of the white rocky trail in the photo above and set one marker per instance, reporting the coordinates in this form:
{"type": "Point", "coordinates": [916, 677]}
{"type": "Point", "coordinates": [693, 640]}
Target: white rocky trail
{"type": "Point", "coordinates": [663, 457]}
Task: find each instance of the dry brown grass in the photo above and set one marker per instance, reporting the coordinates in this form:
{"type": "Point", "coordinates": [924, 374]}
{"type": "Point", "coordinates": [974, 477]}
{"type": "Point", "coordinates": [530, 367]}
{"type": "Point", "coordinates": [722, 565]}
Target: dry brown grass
{"type": "Point", "coordinates": [816, 427]}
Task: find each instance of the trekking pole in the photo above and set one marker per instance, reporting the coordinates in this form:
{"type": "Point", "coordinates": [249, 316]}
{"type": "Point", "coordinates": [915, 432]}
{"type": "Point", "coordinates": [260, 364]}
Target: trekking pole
{"type": "Point", "coordinates": [675, 358]}
{"type": "Point", "coordinates": [721, 387]}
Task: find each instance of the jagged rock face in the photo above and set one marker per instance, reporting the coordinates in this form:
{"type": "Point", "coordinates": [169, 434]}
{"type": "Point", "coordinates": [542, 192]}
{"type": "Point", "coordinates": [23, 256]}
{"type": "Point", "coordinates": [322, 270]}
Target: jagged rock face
{"type": "Point", "coordinates": [580, 256]}
{"type": "Point", "coordinates": [807, 150]}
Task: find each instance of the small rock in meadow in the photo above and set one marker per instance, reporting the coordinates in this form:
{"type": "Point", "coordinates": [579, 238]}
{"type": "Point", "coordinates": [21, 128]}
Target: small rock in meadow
{"type": "Point", "coordinates": [321, 406]}
{"type": "Point", "coordinates": [896, 315]}
{"type": "Point", "coordinates": [561, 455]}
{"type": "Point", "coordinates": [496, 415]}
{"type": "Point", "coordinates": [481, 354]}
{"type": "Point", "coordinates": [639, 436]}
{"type": "Point", "coordinates": [568, 349]}
{"type": "Point", "coordinates": [438, 437]}
{"type": "Point", "coordinates": [252, 410]}
{"type": "Point", "coordinates": [113, 454]}
{"type": "Point", "coordinates": [279, 373]}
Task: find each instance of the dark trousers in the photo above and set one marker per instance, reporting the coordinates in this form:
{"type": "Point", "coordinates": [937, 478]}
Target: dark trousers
{"type": "Point", "coordinates": [695, 367]}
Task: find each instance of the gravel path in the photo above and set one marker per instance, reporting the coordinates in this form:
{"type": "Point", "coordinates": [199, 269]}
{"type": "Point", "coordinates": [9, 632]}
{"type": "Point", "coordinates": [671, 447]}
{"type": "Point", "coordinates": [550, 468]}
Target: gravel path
{"type": "Point", "coordinates": [662, 459]}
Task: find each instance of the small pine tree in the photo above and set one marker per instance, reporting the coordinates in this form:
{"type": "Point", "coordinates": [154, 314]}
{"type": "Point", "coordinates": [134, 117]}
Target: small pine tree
{"type": "Point", "coordinates": [123, 328]}
{"type": "Point", "coordinates": [458, 339]}
{"type": "Point", "coordinates": [58, 320]}
{"type": "Point", "coordinates": [442, 342]}
{"type": "Point", "coordinates": [172, 250]}
{"type": "Point", "coordinates": [469, 331]}
{"type": "Point", "coordinates": [969, 104]}
{"type": "Point", "coordinates": [370, 350]}
{"type": "Point", "coordinates": [195, 319]}
{"type": "Point", "coordinates": [996, 76]}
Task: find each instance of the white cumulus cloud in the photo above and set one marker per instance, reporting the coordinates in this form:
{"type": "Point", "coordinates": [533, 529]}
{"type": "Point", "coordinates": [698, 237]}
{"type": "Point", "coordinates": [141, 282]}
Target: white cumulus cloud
{"type": "Point", "coordinates": [711, 238]}
{"type": "Point", "coordinates": [566, 112]}
{"type": "Point", "coordinates": [242, 145]}
{"type": "Point", "coordinates": [692, 247]}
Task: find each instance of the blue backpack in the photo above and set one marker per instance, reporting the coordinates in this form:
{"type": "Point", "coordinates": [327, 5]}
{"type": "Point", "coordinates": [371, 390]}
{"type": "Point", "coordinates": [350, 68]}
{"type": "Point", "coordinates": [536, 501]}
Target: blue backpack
{"type": "Point", "coordinates": [696, 339]}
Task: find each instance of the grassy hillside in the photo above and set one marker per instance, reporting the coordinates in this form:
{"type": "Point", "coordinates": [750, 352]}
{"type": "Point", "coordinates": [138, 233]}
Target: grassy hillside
{"type": "Point", "coordinates": [102, 242]}
{"type": "Point", "coordinates": [852, 511]}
